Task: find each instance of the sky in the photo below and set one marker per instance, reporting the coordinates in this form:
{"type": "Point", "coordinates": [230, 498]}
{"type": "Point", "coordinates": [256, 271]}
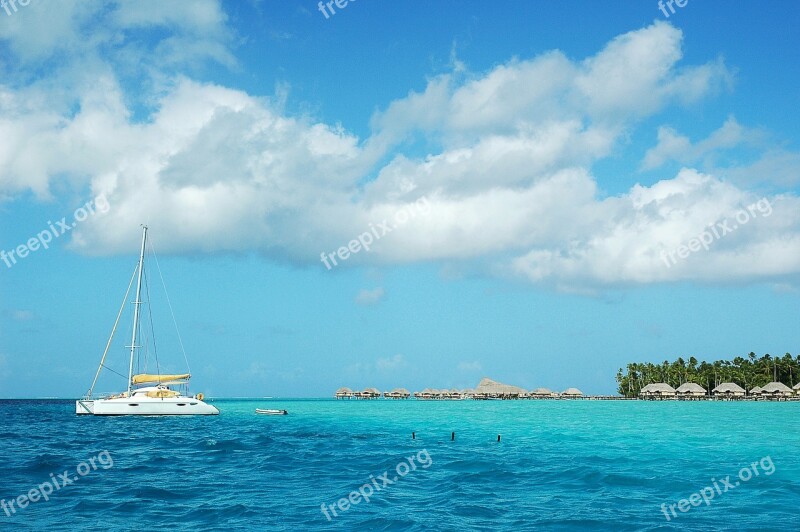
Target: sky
{"type": "Point", "coordinates": [396, 194]}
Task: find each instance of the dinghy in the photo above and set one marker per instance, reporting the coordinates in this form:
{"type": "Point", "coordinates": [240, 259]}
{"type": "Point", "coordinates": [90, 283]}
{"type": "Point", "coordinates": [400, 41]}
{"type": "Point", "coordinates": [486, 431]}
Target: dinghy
{"type": "Point", "coordinates": [271, 412]}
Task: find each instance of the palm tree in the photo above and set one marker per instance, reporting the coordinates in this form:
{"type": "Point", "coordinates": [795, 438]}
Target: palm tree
{"type": "Point", "coordinates": [787, 363]}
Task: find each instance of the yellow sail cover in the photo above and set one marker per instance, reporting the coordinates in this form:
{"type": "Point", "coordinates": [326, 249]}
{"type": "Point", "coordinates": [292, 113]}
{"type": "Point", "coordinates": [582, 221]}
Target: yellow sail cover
{"type": "Point", "coordinates": [143, 378]}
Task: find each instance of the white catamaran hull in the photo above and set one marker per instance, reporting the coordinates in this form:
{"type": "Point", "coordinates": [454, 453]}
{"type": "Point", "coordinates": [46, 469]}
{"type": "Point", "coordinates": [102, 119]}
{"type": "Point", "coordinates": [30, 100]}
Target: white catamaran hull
{"type": "Point", "coordinates": [145, 406]}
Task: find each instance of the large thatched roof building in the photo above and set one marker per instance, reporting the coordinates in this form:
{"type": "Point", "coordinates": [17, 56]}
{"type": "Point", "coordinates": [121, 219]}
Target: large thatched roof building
{"type": "Point", "coordinates": [489, 389]}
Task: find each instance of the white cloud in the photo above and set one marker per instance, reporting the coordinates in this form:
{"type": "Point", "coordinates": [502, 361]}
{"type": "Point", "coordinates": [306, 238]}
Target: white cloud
{"type": "Point", "coordinates": [390, 363]}
{"type": "Point", "coordinates": [370, 297]}
{"type": "Point", "coordinates": [470, 366]}
{"type": "Point", "coordinates": [626, 245]}
{"type": "Point", "coordinates": [675, 147]}
{"type": "Point", "coordinates": [22, 315]}
{"type": "Point", "coordinates": [777, 166]}
{"type": "Point", "coordinates": [742, 155]}
{"type": "Point", "coordinates": [122, 30]}
{"type": "Point", "coordinates": [508, 177]}
{"type": "Point", "coordinates": [381, 367]}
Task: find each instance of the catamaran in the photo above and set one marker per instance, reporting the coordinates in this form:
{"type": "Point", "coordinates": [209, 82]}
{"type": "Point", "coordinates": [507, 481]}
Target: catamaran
{"type": "Point", "coordinates": [147, 394]}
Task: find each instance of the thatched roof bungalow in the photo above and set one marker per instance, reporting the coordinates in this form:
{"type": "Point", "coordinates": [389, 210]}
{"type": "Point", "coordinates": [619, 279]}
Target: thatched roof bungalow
{"type": "Point", "coordinates": [571, 393]}
{"type": "Point", "coordinates": [397, 393]}
{"type": "Point", "coordinates": [427, 393]}
{"type": "Point", "coordinates": [658, 390]}
{"type": "Point", "coordinates": [776, 390]}
{"type": "Point", "coordinates": [344, 393]}
{"type": "Point", "coordinates": [455, 394]}
{"type": "Point", "coordinates": [728, 390]}
{"type": "Point", "coordinates": [690, 390]}
{"type": "Point", "coordinates": [370, 393]}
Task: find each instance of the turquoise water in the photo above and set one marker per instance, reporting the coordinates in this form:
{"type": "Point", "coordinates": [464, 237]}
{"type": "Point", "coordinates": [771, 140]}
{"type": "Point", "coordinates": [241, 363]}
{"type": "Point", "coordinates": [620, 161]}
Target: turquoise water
{"type": "Point", "coordinates": [560, 465]}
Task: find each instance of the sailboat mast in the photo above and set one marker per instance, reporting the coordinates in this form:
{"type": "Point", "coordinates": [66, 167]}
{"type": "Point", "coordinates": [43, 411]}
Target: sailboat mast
{"type": "Point", "coordinates": [136, 304]}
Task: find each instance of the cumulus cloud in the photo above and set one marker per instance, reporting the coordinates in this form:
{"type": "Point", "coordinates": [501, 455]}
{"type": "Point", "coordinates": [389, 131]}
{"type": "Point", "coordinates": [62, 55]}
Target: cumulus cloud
{"type": "Point", "coordinates": [470, 366]}
{"type": "Point", "coordinates": [92, 30]}
{"type": "Point", "coordinates": [742, 155]}
{"type": "Point", "coordinates": [370, 297]}
{"type": "Point", "coordinates": [627, 243]}
{"type": "Point", "coordinates": [22, 315]}
{"type": "Point", "coordinates": [507, 177]}
{"type": "Point", "coordinates": [676, 147]}
{"type": "Point", "coordinates": [380, 367]}
{"type": "Point", "coordinates": [390, 363]}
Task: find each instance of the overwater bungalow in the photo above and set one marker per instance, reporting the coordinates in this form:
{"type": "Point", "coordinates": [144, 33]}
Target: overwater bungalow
{"type": "Point", "coordinates": [370, 393]}
{"type": "Point", "coordinates": [571, 393]}
{"type": "Point", "coordinates": [691, 391]}
{"type": "Point", "coordinates": [397, 393]}
{"type": "Point", "coordinates": [344, 393]}
{"type": "Point", "coordinates": [425, 394]}
{"type": "Point", "coordinates": [728, 391]}
{"type": "Point", "coordinates": [467, 393]}
{"type": "Point", "coordinates": [776, 391]}
{"type": "Point", "coordinates": [796, 388]}
{"type": "Point", "coordinates": [658, 390]}
{"type": "Point", "coordinates": [542, 393]}
{"type": "Point", "coordinates": [756, 392]}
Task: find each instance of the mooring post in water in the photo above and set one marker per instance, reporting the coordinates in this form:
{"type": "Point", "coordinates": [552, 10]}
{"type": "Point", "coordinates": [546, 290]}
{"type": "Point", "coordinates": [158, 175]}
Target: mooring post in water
{"type": "Point", "coordinates": [413, 435]}
{"type": "Point", "coordinates": [452, 436]}
{"type": "Point", "coordinates": [498, 437]}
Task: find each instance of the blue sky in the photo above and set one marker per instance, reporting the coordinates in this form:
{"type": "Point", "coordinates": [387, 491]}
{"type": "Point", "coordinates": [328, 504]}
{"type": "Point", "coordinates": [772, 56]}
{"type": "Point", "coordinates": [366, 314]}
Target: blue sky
{"type": "Point", "coordinates": [544, 168]}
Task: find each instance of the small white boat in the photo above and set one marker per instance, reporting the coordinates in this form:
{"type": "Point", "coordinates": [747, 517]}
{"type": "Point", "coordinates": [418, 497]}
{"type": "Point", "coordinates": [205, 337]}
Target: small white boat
{"type": "Point", "coordinates": [271, 412]}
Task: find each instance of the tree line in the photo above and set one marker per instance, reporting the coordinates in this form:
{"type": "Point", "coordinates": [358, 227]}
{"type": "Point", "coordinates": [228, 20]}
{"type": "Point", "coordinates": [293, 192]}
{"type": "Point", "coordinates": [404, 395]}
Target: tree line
{"type": "Point", "coordinates": [748, 372]}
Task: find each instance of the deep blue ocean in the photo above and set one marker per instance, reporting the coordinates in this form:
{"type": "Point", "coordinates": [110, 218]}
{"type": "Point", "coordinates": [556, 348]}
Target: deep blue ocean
{"type": "Point", "coordinates": [560, 465]}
